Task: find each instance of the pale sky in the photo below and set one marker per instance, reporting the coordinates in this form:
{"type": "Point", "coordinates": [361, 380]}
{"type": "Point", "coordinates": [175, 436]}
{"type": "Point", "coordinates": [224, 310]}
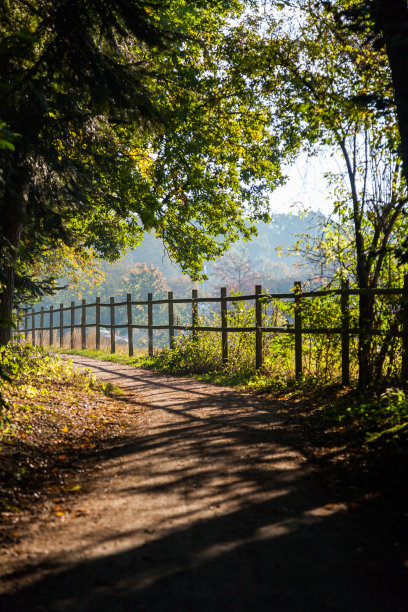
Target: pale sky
{"type": "Point", "coordinates": [306, 186]}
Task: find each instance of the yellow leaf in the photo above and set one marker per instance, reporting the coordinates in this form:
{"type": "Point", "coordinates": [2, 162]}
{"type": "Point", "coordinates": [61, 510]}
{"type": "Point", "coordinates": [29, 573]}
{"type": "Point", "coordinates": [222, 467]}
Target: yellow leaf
{"type": "Point", "coordinates": [60, 513]}
{"type": "Point", "coordinates": [64, 429]}
{"type": "Point", "coordinates": [74, 488]}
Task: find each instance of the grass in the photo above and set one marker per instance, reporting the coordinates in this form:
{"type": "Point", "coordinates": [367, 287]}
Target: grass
{"type": "Point", "coordinates": [136, 360]}
{"type": "Point", "coordinates": [252, 381]}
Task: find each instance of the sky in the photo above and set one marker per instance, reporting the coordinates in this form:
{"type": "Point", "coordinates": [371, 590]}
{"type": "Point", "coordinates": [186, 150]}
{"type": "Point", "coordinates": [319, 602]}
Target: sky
{"type": "Point", "coordinates": [306, 186]}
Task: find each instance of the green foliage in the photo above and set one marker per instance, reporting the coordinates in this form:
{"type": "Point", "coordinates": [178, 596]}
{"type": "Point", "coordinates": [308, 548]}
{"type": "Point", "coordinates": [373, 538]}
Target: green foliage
{"type": "Point", "coordinates": [335, 88]}
{"type": "Point", "coordinates": [17, 365]}
{"type": "Point", "coordinates": [29, 368]}
{"type": "Point", "coordinates": [321, 352]}
{"type": "Point", "coordinates": [6, 137]}
{"type": "Point", "coordinates": [136, 125]}
{"type": "Point", "coordinates": [381, 417]}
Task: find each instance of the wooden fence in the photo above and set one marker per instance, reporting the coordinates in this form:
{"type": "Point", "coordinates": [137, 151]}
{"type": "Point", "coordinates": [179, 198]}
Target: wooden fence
{"type": "Point", "coordinates": [27, 321]}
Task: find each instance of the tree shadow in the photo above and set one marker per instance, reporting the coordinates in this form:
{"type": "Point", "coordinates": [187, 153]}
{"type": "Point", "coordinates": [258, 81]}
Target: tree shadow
{"type": "Point", "coordinates": [239, 521]}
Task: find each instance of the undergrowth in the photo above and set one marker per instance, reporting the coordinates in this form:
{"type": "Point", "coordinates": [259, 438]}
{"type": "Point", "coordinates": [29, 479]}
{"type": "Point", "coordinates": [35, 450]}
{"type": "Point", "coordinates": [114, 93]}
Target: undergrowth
{"type": "Point", "coordinates": [26, 372]}
{"type": "Point", "coordinates": [379, 416]}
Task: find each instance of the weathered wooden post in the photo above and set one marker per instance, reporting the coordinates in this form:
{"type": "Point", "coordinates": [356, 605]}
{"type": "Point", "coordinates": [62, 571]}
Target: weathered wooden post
{"type": "Point", "coordinates": [194, 313]}
{"type": "Point", "coordinates": [112, 324]}
{"type": "Point", "coordinates": [32, 327]}
{"type": "Point", "coordinates": [404, 363]}
{"type": "Point", "coordinates": [258, 330]}
{"type": "Point", "coordinates": [224, 326]}
{"type": "Point", "coordinates": [345, 336]}
{"type": "Point", "coordinates": [83, 325]}
{"type": "Point", "coordinates": [129, 323]}
{"type": "Point", "coordinates": [298, 330]}
{"type": "Point", "coordinates": [61, 326]}
{"type": "Point", "coordinates": [150, 323]}
{"type": "Point", "coordinates": [98, 323]}
{"type": "Point", "coordinates": [51, 331]}
{"type": "Point", "coordinates": [171, 319]}
{"type": "Point", "coordinates": [26, 325]}
{"type": "Point", "coordinates": [72, 324]}
{"type": "Point", "coordinates": [42, 326]}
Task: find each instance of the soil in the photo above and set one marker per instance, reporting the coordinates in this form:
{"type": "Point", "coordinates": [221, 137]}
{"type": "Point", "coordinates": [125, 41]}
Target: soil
{"type": "Point", "coordinates": [194, 497]}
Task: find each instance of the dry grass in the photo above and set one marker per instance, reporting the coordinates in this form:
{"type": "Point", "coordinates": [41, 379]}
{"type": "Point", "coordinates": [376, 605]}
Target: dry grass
{"type": "Point", "coordinates": [121, 348]}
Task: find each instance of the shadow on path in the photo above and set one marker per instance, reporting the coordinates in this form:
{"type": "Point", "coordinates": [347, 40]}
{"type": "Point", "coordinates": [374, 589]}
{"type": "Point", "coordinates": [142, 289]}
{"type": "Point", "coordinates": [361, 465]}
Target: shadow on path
{"type": "Point", "coordinates": [209, 507]}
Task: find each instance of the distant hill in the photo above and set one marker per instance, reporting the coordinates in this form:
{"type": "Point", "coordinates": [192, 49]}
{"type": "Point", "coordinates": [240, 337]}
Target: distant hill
{"type": "Point", "coordinates": [267, 254]}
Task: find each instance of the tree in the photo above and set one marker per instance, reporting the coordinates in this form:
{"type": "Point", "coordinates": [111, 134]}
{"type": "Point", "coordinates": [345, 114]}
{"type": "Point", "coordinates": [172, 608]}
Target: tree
{"type": "Point", "coordinates": [314, 74]}
{"type": "Point", "coordinates": [142, 279]}
{"type": "Point", "coordinates": [125, 121]}
{"type": "Point", "coordinates": [384, 25]}
{"type": "Point", "coordinates": [374, 194]}
{"type": "Point", "coordinates": [235, 272]}
{"type": "Point", "coordinates": [63, 269]}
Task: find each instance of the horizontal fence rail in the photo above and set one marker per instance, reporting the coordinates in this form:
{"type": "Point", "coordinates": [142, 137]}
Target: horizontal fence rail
{"type": "Point", "coordinates": [56, 328]}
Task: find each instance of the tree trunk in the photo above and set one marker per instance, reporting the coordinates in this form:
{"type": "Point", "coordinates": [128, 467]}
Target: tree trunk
{"type": "Point", "coordinates": [366, 302]}
{"type": "Point", "coordinates": [391, 18]}
{"type": "Point", "coordinates": [12, 215]}
{"type": "Point", "coordinates": [365, 322]}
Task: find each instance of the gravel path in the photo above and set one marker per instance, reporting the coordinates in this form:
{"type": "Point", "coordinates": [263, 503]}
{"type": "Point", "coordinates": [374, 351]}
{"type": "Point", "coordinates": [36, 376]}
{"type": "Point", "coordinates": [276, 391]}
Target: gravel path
{"type": "Point", "coordinates": [208, 506]}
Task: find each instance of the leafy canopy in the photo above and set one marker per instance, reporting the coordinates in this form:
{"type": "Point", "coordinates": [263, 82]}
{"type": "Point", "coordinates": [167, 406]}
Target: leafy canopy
{"type": "Point", "coordinates": [131, 118]}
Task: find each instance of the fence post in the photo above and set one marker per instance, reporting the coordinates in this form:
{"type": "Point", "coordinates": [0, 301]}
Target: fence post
{"type": "Point", "coordinates": [32, 327]}
{"type": "Point", "coordinates": [72, 323]}
{"type": "Point", "coordinates": [83, 325]}
{"type": "Point", "coordinates": [17, 336]}
{"type": "Point", "coordinates": [171, 319]}
{"type": "Point", "coordinates": [112, 324]}
{"type": "Point", "coordinates": [26, 325]}
{"type": "Point", "coordinates": [98, 323]}
{"type": "Point", "coordinates": [224, 332]}
{"type": "Point", "coordinates": [345, 337]}
{"type": "Point", "coordinates": [129, 323]}
{"type": "Point", "coordinates": [404, 363]}
{"type": "Point", "coordinates": [298, 330]}
{"type": "Point", "coordinates": [51, 330]}
{"type": "Point", "coordinates": [258, 331]}
{"type": "Point", "coordinates": [150, 323]}
{"type": "Point", "coordinates": [61, 338]}
{"type": "Point", "coordinates": [42, 326]}
{"type": "Point", "coordinates": [194, 313]}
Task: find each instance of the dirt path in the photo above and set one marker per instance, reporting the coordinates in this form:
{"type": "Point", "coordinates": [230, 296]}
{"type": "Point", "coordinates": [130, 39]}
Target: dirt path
{"type": "Point", "coordinates": [207, 506]}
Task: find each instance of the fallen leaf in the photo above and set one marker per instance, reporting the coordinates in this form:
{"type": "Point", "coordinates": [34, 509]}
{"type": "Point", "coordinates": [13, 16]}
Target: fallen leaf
{"type": "Point", "coordinates": [60, 513]}
{"type": "Point", "coordinates": [74, 488]}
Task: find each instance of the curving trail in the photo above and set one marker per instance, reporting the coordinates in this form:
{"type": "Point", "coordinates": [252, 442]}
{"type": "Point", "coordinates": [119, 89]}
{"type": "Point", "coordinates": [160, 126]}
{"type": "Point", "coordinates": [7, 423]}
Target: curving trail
{"type": "Point", "coordinates": [206, 506]}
